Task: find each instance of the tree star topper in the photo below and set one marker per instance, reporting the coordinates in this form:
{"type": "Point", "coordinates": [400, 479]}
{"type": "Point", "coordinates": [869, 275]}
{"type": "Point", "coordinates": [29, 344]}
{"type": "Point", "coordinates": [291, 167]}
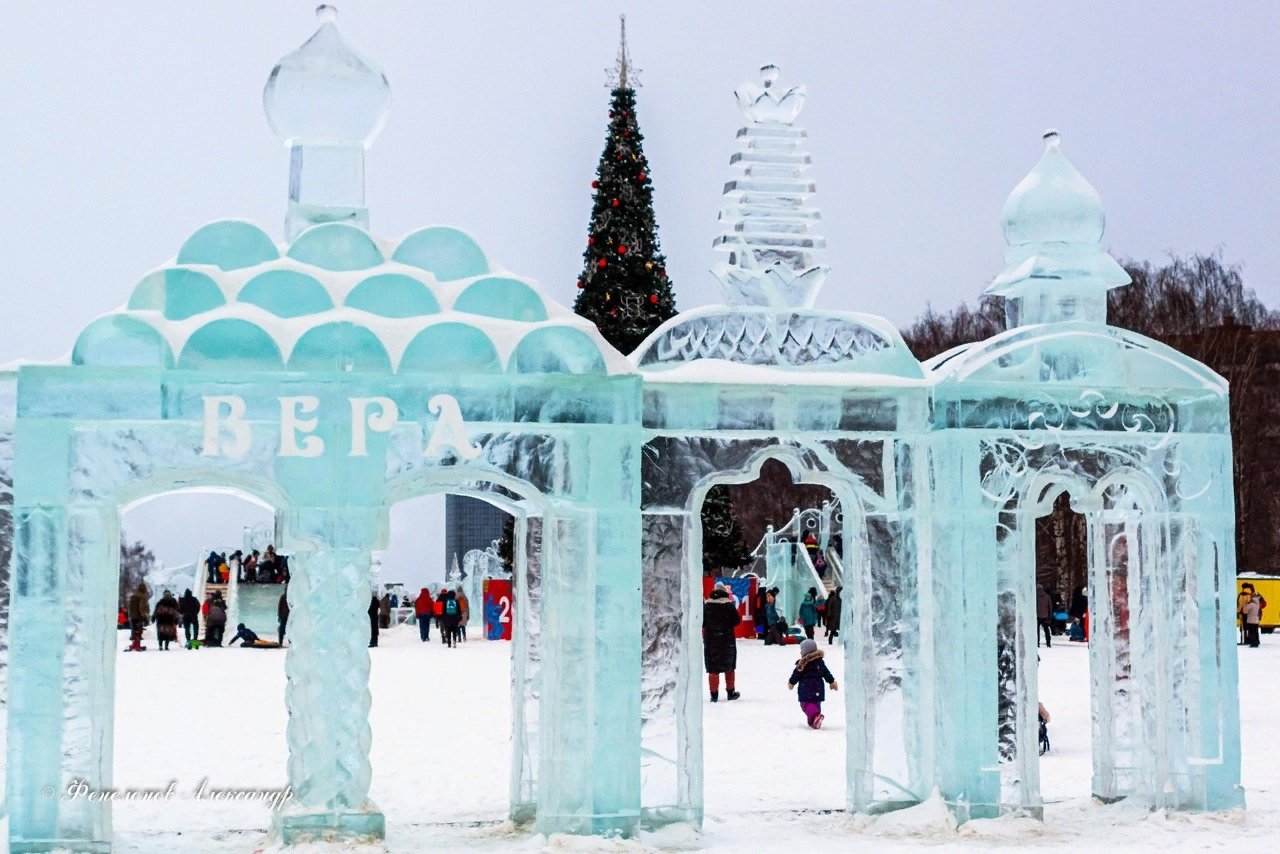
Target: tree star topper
{"type": "Point", "coordinates": [623, 75]}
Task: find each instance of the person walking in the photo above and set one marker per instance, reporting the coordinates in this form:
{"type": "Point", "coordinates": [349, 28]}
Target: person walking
{"type": "Point", "coordinates": [464, 614]}
{"type": "Point", "coordinates": [211, 564]}
{"type": "Point", "coordinates": [773, 624]}
{"type": "Point", "coordinates": [424, 611]}
{"type": "Point", "coordinates": [1044, 615]}
{"type": "Point", "coordinates": [138, 607]}
{"type": "Point", "coordinates": [439, 609]}
{"type": "Point", "coordinates": [809, 612]}
{"type": "Point", "coordinates": [189, 609]}
{"type": "Point", "coordinates": [282, 615]}
{"type": "Point", "coordinates": [832, 618]}
{"type": "Point", "coordinates": [166, 619]}
{"type": "Point", "coordinates": [812, 676]}
{"type": "Point", "coordinates": [373, 620]}
{"type": "Point", "coordinates": [720, 620]}
{"type": "Point", "coordinates": [449, 623]}
{"type": "Point", "coordinates": [1251, 614]}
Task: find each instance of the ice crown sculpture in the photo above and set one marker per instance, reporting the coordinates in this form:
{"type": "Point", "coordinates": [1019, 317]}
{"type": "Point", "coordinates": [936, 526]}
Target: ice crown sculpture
{"type": "Point", "coordinates": [327, 104]}
{"type": "Point", "coordinates": [1055, 266]}
{"type": "Point", "coordinates": [766, 214]}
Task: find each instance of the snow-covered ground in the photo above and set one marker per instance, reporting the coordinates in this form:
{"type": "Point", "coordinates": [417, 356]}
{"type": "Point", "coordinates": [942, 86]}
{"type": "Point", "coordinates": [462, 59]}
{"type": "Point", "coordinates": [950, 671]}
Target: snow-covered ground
{"type": "Point", "coordinates": [440, 761]}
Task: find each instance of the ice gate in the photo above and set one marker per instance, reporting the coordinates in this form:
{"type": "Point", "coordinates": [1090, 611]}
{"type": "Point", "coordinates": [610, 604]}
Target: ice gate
{"type": "Point", "coordinates": [941, 469]}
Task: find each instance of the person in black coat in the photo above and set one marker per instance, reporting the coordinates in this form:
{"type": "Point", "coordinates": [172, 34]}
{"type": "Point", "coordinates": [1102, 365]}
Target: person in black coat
{"type": "Point", "coordinates": [373, 619]}
{"type": "Point", "coordinates": [719, 643]}
{"type": "Point", "coordinates": [189, 608]}
{"type": "Point", "coordinates": [832, 616]}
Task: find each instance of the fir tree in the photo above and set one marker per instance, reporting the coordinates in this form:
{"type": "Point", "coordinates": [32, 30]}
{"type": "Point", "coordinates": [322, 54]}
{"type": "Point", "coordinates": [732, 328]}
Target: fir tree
{"type": "Point", "coordinates": [722, 546]}
{"type": "Point", "coordinates": [624, 288]}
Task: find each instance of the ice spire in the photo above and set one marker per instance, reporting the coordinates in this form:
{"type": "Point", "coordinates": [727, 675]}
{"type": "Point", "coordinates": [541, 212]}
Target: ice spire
{"type": "Point", "coordinates": [327, 104]}
{"type": "Point", "coordinates": [1055, 266]}
{"type": "Point", "coordinates": [623, 75]}
{"type": "Point", "coordinates": [766, 213]}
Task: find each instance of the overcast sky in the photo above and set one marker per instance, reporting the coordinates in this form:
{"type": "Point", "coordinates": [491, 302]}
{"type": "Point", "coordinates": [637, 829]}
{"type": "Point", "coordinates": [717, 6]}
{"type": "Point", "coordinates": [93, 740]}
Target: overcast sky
{"type": "Point", "coordinates": [127, 126]}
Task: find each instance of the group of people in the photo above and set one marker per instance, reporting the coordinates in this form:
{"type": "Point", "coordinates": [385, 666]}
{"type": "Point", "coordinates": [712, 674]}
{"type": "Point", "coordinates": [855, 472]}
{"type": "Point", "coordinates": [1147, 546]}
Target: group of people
{"type": "Point", "coordinates": [186, 611]}
{"type": "Point", "coordinates": [267, 567]}
{"type": "Point", "coordinates": [720, 620]}
{"type": "Point", "coordinates": [815, 610]}
{"type": "Point", "coordinates": [1053, 620]}
{"type": "Point", "coordinates": [449, 610]}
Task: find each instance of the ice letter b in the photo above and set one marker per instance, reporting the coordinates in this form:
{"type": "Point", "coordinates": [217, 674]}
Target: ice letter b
{"type": "Point", "coordinates": [383, 421]}
{"type": "Point", "coordinates": [291, 423]}
{"type": "Point", "coordinates": [449, 431]}
{"type": "Point", "coordinates": [232, 423]}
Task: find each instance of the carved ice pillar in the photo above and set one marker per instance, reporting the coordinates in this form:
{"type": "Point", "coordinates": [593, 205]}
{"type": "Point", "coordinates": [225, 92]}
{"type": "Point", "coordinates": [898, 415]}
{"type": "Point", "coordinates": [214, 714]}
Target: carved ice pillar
{"type": "Point", "coordinates": [327, 668]}
{"type": "Point", "coordinates": [62, 653]}
{"type": "Point", "coordinates": [589, 723]}
{"type": "Point", "coordinates": [671, 725]}
{"type": "Point", "coordinates": [957, 610]}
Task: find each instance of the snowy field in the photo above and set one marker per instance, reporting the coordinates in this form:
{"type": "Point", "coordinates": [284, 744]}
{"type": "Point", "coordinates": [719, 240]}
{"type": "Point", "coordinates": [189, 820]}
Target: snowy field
{"type": "Point", "coordinates": [440, 761]}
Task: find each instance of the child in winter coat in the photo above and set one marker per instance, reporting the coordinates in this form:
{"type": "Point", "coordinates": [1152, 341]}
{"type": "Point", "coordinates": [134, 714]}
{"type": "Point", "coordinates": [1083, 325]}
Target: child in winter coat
{"type": "Point", "coordinates": [810, 674]}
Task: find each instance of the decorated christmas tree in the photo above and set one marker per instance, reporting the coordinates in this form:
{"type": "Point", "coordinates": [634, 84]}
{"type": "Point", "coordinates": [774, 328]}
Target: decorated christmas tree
{"type": "Point", "coordinates": [624, 289]}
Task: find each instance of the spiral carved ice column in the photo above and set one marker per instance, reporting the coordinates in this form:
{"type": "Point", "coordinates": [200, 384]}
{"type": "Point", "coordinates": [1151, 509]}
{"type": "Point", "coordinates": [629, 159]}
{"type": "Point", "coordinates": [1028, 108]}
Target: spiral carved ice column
{"type": "Point", "coordinates": [327, 667]}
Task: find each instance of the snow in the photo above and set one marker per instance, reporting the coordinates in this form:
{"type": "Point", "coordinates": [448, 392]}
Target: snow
{"type": "Point", "coordinates": [440, 760]}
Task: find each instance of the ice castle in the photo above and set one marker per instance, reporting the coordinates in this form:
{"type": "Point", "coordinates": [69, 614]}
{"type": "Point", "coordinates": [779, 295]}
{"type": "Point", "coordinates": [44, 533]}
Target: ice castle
{"type": "Point", "coordinates": [338, 373]}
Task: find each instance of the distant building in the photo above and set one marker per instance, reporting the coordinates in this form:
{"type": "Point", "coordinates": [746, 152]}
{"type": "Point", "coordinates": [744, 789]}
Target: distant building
{"type": "Point", "coordinates": [470, 523]}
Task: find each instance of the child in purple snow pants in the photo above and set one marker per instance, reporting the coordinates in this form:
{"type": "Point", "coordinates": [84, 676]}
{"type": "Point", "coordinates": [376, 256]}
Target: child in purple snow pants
{"type": "Point", "coordinates": [812, 677]}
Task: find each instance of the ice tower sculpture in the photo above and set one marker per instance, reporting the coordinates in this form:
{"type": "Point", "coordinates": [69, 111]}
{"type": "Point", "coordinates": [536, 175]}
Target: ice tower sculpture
{"type": "Point", "coordinates": [767, 216]}
{"type": "Point", "coordinates": [838, 398]}
{"type": "Point", "coordinates": [332, 376]}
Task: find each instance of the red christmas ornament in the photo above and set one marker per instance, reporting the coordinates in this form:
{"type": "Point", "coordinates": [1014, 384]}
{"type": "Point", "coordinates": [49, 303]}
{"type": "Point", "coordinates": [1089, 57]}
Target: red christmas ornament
{"type": "Point", "coordinates": [613, 312]}
{"type": "Point", "coordinates": [581, 284]}
{"type": "Point", "coordinates": [653, 299]}
{"type": "Point", "coordinates": [622, 249]}
{"type": "Point", "coordinates": [615, 203]}
{"type": "Point", "coordinates": [626, 133]}
{"type": "Point", "coordinates": [611, 114]}
{"type": "Point", "coordinates": [625, 114]}
{"type": "Point", "coordinates": [617, 157]}
{"type": "Point", "coordinates": [595, 185]}
{"type": "Point", "coordinates": [591, 241]}
{"type": "Point", "coordinates": [640, 177]}
{"type": "Point", "coordinates": [602, 263]}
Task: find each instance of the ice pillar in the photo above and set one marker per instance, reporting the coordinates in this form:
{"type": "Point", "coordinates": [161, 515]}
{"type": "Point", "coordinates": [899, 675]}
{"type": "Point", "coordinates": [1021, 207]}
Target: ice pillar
{"type": "Point", "coordinates": [327, 668]}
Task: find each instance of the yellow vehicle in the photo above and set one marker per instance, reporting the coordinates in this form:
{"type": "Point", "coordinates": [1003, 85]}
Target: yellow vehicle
{"type": "Point", "coordinates": [1268, 586]}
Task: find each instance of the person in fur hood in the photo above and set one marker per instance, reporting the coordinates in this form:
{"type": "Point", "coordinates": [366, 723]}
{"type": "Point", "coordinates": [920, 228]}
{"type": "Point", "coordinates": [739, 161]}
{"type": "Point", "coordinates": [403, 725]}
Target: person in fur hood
{"type": "Point", "coordinates": [812, 675]}
{"type": "Point", "coordinates": [719, 642]}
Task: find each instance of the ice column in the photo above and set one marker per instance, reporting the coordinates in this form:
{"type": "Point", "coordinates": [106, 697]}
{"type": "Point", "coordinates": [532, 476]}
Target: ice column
{"type": "Point", "coordinates": [327, 667]}
{"type": "Point", "coordinates": [327, 104]}
{"type": "Point", "coordinates": [766, 214]}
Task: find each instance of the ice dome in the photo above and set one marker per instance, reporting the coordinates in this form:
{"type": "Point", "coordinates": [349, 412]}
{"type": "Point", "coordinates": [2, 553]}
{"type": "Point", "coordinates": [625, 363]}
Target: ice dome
{"type": "Point", "coordinates": [324, 90]}
{"type": "Point", "coordinates": [1053, 203]}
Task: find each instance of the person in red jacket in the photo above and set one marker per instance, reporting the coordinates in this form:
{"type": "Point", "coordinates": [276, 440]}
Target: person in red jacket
{"type": "Point", "coordinates": [424, 610]}
{"type": "Point", "coordinates": [439, 612]}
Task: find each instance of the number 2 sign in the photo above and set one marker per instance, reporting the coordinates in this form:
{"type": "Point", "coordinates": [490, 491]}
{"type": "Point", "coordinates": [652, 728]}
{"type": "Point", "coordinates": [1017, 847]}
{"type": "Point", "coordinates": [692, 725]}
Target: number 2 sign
{"type": "Point", "coordinates": [497, 609]}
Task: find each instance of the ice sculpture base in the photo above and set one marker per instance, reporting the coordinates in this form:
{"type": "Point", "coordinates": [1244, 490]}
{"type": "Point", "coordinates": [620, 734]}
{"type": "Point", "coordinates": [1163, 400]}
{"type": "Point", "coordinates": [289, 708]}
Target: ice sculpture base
{"type": "Point", "coordinates": [329, 826]}
{"type": "Point", "coordinates": [43, 846]}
